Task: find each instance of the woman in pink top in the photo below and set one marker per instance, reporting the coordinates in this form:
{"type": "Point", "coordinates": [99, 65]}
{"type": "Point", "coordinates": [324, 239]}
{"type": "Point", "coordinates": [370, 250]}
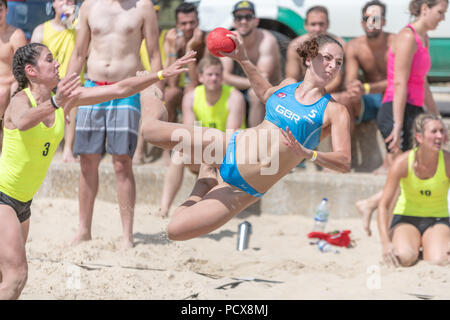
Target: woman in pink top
{"type": "Point", "coordinates": [407, 91]}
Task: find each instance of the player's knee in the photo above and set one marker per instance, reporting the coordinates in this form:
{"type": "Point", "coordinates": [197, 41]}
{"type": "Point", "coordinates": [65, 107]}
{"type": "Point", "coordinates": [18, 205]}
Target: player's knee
{"type": "Point", "coordinates": [438, 258]}
{"type": "Point", "coordinates": [408, 256]}
{"type": "Point", "coordinates": [122, 166]}
{"type": "Point", "coordinates": [174, 232]}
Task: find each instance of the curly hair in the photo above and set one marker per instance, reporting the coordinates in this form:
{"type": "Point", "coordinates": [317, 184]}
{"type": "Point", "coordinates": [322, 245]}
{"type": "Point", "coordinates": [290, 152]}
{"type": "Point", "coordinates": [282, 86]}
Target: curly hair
{"type": "Point", "coordinates": [415, 5]}
{"type": "Point", "coordinates": [28, 54]}
{"type": "Point", "coordinates": [310, 48]}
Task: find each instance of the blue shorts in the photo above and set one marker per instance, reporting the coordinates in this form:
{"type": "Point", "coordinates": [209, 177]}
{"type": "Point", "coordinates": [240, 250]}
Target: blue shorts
{"type": "Point", "coordinates": [229, 170]}
{"type": "Point", "coordinates": [110, 126]}
{"type": "Point", "coordinates": [370, 104]}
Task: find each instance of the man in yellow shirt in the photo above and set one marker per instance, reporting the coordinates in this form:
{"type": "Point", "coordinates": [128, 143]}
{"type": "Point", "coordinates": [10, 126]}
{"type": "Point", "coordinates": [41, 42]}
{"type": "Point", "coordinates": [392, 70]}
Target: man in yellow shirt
{"type": "Point", "coordinates": [214, 105]}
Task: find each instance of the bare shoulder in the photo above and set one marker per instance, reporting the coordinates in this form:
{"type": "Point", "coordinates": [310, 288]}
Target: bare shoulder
{"type": "Point", "coordinates": [18, 38]}
{"type": "Point", "coordinates": [447, 162]}
{"type": "Point", "coordinates": [336, 108]}
{"type": "Point", "coordinates": [355, 42]}
{"type": "Point", "coordinates": [406, 34]}
{"type": "Point", "coordinates": [268, 36]}
{"type": "Point", "coordinates": [235, 93]}
{"type": "Point", "coordinates": [400, 164]}
{"type": "Point", "coordinates": [19, 99]}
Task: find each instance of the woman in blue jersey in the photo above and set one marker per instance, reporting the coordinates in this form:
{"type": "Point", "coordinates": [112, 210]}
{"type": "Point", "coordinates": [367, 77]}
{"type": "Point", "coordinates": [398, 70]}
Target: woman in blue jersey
{"type": "Point", "coordinates": [251, 161]}
{"type": "Point", "coordinates": [33, 128]}
{"type": "Point", "coordinates": [420, 218]}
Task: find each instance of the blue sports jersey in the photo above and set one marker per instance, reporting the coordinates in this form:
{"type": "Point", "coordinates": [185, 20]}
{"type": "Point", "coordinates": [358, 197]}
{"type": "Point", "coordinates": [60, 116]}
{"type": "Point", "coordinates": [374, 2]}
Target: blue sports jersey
{"type": "Point", "coordinates": [304, 121]}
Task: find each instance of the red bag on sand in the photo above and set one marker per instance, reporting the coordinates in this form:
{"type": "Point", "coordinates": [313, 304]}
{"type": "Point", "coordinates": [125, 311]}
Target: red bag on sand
{"type": "Point", "coordinates": [339, 238]}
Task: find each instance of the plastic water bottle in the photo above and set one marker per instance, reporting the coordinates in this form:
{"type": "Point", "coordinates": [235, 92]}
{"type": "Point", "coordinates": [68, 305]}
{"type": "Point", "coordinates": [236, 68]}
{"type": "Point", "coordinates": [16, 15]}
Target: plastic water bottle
{"type": "Point", "coordinates": [326, 247]}
{"type": "Point", "coordinates": [321, 216]}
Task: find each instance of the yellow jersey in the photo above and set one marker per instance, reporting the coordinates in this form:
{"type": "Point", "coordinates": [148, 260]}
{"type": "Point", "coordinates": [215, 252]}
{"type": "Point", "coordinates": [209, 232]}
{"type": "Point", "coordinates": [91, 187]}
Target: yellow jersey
{"type": "Point", "coordinates": [424, 197]}
{"type": "Point", "coordinates": [26, 155]}
{"type": "Point", "coordinates": [213, 116]}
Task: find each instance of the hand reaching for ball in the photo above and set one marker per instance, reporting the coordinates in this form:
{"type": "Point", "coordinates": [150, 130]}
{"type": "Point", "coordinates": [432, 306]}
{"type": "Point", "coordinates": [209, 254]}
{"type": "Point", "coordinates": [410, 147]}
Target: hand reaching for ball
{"type": "Point", "coordinates": [217, 42]}
{"type": "Point", "coordinates": [239, 53]}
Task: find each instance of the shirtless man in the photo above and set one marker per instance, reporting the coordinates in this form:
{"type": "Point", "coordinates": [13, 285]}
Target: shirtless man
{"type": "Point", "coordinates": [263, 51]}
{"type": "Point", "coordinates": [367, 53]}
{"type": "Point", "coordinates": [11, 39]}
{"type": "Point", "coordinates": [316, 23]}
{"type": "Point", "coordinates": [184, 37]}
{"type": "Point", "coordinates": [113, 31]}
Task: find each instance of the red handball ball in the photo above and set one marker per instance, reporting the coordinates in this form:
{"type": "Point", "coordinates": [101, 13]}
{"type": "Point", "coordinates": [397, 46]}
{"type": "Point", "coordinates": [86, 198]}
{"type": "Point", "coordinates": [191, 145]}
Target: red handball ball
{"type": "Point", "coordinates": [217, 41]}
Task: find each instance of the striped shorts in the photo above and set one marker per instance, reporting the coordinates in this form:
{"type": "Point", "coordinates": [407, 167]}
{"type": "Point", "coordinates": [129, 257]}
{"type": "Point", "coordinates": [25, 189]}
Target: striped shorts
{"type": "Point", "coordinates": [110, 127]}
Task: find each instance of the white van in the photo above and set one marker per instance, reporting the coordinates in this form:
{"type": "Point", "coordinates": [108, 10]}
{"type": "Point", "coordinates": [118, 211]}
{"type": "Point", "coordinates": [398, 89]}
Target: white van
{"type": "Point", "coordinates": [287, 18]}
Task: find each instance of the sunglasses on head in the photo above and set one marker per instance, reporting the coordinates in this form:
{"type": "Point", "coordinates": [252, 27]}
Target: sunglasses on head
{"type": "Point", "coordinates": [240, 17]}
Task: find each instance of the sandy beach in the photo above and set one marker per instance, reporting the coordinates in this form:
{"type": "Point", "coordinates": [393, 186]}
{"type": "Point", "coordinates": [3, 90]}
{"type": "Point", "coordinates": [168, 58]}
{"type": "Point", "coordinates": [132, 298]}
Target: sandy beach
{"type": "Point", "coordinates": [279, 263]}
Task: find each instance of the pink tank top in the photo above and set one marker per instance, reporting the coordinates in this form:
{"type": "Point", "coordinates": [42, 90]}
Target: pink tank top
{"type": "Point", "coordinates": [420, 65]}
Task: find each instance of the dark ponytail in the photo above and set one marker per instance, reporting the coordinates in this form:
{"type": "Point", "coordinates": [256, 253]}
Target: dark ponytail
{"type": "Point", "coordinates": [28, 54]}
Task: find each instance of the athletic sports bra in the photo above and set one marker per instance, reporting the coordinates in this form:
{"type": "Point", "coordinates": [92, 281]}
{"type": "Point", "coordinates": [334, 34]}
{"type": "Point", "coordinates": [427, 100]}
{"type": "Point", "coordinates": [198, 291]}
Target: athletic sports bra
{"type": "Point", "coordinates": [27, 154]}
{"type": "Point", "coordinates": [420, 65]}
{"type": "Point", "coordinates": [424, 197]}
{"type": "Point", "coordinates": [305, 121]}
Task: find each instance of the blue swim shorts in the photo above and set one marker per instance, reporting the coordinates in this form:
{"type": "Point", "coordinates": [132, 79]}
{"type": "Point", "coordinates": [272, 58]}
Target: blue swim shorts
{"type": "Point", "coordinates": [111, 126]}
{"type": "Point", "coordinates": [370, 104]}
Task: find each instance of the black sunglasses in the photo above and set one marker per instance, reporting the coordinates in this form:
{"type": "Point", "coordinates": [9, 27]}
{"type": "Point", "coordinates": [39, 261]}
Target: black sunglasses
{"type": "Point", "coordinates": [240, 17]}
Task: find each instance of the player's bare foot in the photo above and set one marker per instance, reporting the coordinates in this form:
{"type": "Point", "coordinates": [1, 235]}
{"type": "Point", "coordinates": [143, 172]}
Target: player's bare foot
{"type": "Point", "coordinates": [79, 238]}
{"type": "Point", "coordinates": [366, 210]}
{"type": "Point", "coordinates": [127, 243]}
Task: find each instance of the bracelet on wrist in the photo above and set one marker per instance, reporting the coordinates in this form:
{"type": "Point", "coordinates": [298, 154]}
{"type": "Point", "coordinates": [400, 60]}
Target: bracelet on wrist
{"type": "Point", "coordinates": [54, 104]}
{"type": "Point", "coordinates": [366, 88]}
{"type": "Point", "coordinates": [160, 75]}
{"type": "Point", "coordinates": [314, 156]}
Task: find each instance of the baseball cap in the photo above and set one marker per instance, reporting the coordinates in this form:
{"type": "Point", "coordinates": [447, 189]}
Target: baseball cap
{"type": "Point", "coordinates": [244, 5]}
